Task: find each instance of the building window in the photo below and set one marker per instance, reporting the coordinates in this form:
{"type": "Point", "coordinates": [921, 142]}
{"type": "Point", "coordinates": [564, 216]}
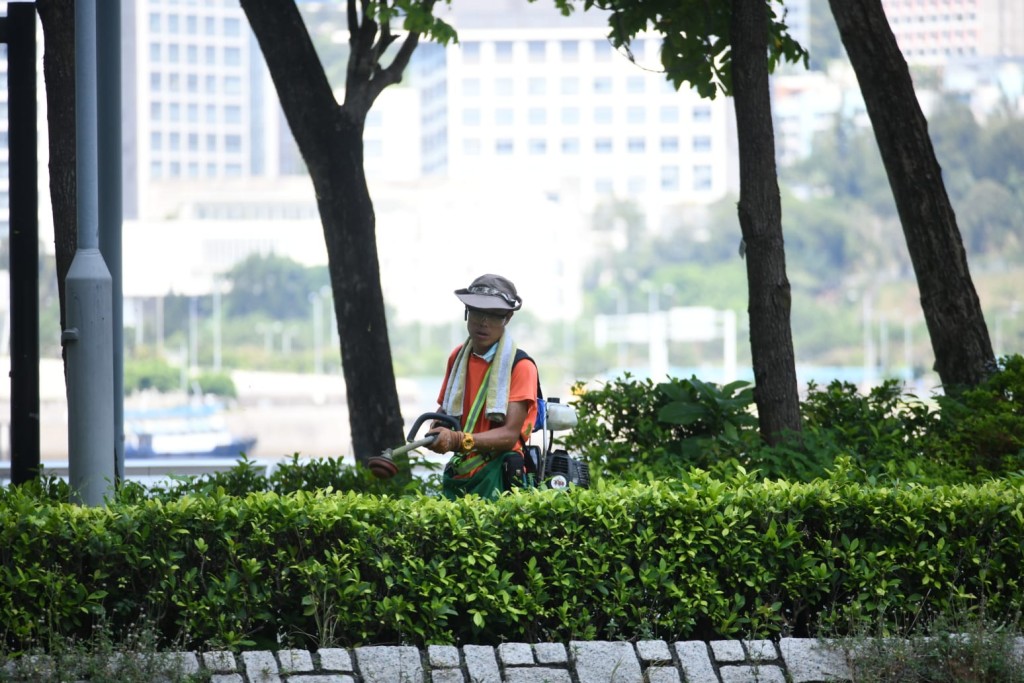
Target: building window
{"type": "Point", "coordinates": [537, 86]}
{"type": "Point", "coordinates": [503, 51]}
{"type": "Point", "coordinates": [602, 115]}
{"type": "Point", "coordinates": [701, 114]}
{"type": "Point", "coordinates": [701, 177]}
{"type": "Point", "coordinates": [570, 115]}
{"type": "Point", "coordinates": [210, 55]}
{"type": "Point", "coordinates": [570, 50]}
{"type": "Point", "coordinates": [503, 116]}
{"type": "Point", "coordinates": [193, 143]}
{"type": "Point", "coordinates": [173, 25]}
{"type": "Point", "coordinates": [232, 56]}
{"type": "Point", "coordinates": [670, 144]}
{"type": "Point", "coordinates": [174, 82]}
{"type": "Point", "coordinates": [636, 85]}
{"type": "Point", "coordinates": [155, 53]}
{"type": "Point", "coordinates": [504, 146]}
{"type": "Point", "coordinates": [155, 25]}
{"type": "Point", "coordinates": [504, 87]}
{"type": "Point", "coordinates": [211, 143]}
{"type": "Point", "coordinates": [604, 186]}
{"type": "Point", "coordinates": [156, 111]}
{"type": "Point", "coordinates": [570, 85]}
{"type": "Point", "coordinates": [701, 143]}
{"type": "Point", "coordinates": [155, 81]}
{"type": "Point", "coordinates": [537, 146]}
{"type": "Point", "coordinates": [211, 113]}
{"type": "Point", "coordinates": [637, 185]}
{"type": "Point", "coordinates": [232, 85]}
{"type": "Point", "coordinates": [193, 112]}
{"type": "Point", "coordinates": [602, 51]}
{"type": "Point", "coordinates": [537, 50]}
{"type": "Point", "coordinates": [192, 54]}
{"type": "Point", "coordinates": [471, 87]}
{"type": "Point", "coordinates": [232, 26]}
{"type": "Point", "coordinates": [174, 111]}
{"type": "Point", "coordinates": [538, 116]}
{"type": "Point", "coordinates": [602, 85]}
{"type": "Point", "coordinates": [174, 142]}
{"type": "Point", "coordinates": [471, 147]}
{"type": "Point", "coordinates": [174, 53]}
{"type": "Point", "coordinates": [232, 114]}
{"type": "Point", "coordinates": [669, 178]}
{"type": "Point", "coordinates": [192, 25]}
{"type": "Point", "coordinates": [570, 145]}
{"type": "Point", "coordinates": [209, 26]}
{"type": "Point", "coordinates": [669, 114]}
{"type": "Point", "coordinates": [636, 145]}
{"type": "Point", "coordinates": [232, 144]}
{"type": "Point", "coordinates": [636, 115]}
{"type": "Point", "coordinates": [471, 117]}
{"type": "Point", "coordinates": [603, 145]}
{"type": "Point", "coordinates": [193, 84]}
{"type": "Point", "coordinates": [471, 53]}
{"type": "Point", "coordinates": [156, 141]}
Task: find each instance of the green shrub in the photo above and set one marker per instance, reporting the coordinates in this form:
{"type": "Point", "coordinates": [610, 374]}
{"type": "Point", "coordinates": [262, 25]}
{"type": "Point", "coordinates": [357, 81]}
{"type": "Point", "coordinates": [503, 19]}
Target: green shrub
{"type": "Point", "coordinates": [217, 384]}
{"type": "Point", "coordinates": [635, 429]}
{"type": "Point", "coordinates": [150, 373]}
{"type": "Point", "coordinates": [700, 559]}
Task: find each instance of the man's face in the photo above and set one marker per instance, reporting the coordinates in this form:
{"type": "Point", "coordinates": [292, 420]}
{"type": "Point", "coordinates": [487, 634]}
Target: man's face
{"type": "Point", "coordinates": [485, 327]}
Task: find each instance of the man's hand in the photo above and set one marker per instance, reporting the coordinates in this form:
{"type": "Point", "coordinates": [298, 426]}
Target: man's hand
{"type": "Point", "coordinates": [447, 440]}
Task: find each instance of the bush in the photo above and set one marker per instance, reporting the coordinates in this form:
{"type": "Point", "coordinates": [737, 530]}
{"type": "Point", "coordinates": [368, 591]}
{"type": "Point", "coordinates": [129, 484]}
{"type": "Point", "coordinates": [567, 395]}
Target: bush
{"type": "Point", "coordinates": [150, 373]}
{"type": "Point", "coordinates": [705, 559]}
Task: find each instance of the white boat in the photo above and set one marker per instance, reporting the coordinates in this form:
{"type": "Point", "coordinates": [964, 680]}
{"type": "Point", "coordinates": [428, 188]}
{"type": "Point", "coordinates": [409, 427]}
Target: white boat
{"type": "Point", "coordinates": [185, 430]}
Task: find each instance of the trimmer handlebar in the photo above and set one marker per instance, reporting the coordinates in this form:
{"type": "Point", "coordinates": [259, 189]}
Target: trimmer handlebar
{"type": "Point", "coordinates": [450, 421]}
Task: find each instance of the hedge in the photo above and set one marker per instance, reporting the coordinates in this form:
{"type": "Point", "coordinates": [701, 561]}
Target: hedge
{"type": "Point", "coordinates": [701, 559]}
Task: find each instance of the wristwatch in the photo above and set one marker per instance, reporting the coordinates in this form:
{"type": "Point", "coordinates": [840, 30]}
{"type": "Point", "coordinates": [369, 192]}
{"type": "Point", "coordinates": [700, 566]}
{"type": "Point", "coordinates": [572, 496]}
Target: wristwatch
{"type": "Point", "coordinates": [467, 443]}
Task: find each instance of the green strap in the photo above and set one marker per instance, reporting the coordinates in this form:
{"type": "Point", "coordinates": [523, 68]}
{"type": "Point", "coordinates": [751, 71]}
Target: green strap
{"type": "Point", "coordinates": [478, 402]}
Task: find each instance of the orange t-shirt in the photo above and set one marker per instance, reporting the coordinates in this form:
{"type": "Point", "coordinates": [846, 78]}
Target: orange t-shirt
{"type": "Point", "coordinates": [523, 387]}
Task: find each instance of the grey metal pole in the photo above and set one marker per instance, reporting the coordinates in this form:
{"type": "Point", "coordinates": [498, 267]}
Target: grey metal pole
{"type": "Point", "coordinates": [88, 336]}
{"type": "Point", "coordinates": [108, 107]}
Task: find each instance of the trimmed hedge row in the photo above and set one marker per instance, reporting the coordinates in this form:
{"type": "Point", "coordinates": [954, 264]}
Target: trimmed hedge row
{"type": "Point", "coordinates": [703, 559]}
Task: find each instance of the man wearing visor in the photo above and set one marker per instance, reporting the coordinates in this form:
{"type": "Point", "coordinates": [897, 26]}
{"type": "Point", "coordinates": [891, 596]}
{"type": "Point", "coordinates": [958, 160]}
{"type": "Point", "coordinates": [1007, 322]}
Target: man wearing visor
{"type": "Point", "coordinates": [490, 393]}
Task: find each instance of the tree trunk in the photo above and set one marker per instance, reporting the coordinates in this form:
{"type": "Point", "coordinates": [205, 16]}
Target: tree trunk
{"type": "Point", "coordinates": [330, 138]}
{"type": "Point", "coordinates": [58, 20]}
{"type": "Point", "coordinates": [760, 215]}
{"type": "Point", "coordinates": [952, 311]}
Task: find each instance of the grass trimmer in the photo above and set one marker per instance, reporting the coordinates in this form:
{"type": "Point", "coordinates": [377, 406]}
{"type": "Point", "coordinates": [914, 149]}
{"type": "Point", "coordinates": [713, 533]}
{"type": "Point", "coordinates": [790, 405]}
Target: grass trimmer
{"type": "Point", "coordinates": [383, 466]}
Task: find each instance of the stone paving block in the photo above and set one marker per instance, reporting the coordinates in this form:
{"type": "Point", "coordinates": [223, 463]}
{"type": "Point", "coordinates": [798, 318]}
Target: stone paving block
{"type": "Point", "coordinates": [696, 662]}
{"type": "Point", "coordinates": [598, 661]}
{"type": "Point", "coordinates": [1018, 649]}
{"type": "Point", "coordinates": [186, 663]}
{"type": "Point", "coordinates": [335, 659]}
{"type": "Point", "coordinates": [760, 650]}
{"type": "Point", "coordinates": [550, 653]}
{"type": "Point", "coordinates": [481, 664]}
{"type": "Point", "coordinates": [537, 674]}
{"type": "Point", "coordinates": [227, 678]}
{"type": "Point", "coordinates": [321, 678]}
{"type": "Point", "coordinates": [728, 651]}
{"type": "Point", "coordinates": [808, 659]}
{"type": "Point", "coordinates": [515, 654]}
{"type": "Point", "coordinates": [443, 656]}
{"type": "Point", "coordinates": [661, 674]}
{"type": "Point", "coordinates": [447, 676]}
{"type": "Point", "coordinates": [653, 651]}
{"type": "Point", "coordinates": [219, 661]}
{"type": "Point", "coordinates": [295, 661]}
{"type": "Point", "coordinates": [752, 674]}
{"type": "Point", "coordinates": [379, 664]}
{"type": "Point", "coordinates": [260, 667]}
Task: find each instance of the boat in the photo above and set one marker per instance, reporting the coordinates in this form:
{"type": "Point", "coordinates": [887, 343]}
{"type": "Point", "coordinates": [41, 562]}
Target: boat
{"type": "Point", "coordinates": [195, 429]}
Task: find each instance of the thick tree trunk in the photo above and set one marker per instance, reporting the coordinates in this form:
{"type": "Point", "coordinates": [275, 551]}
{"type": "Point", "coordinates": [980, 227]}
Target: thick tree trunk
{"type": "Point", "coordinates": [58, 20]}
{"type": "Point", "coordinates": [330, 138]}
{"type": "Point", "coordinates": [760, 213]}
{"type": "Point", "coordinates": [952, 311]}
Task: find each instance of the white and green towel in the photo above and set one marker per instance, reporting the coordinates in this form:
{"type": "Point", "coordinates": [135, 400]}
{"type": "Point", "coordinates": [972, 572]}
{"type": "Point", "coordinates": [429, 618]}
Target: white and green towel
{"type": "Point", "coordinates": [498, 381]}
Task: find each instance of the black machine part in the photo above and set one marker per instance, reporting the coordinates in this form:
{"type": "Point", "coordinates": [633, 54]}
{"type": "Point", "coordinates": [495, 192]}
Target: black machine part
{"type": "Point", "coordinates": [383, 465]}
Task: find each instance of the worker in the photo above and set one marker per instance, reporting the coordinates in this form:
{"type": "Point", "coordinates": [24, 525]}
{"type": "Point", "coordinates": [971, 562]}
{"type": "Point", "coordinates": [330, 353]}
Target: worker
{"type": "Point", "coordinates": [491, 393]}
